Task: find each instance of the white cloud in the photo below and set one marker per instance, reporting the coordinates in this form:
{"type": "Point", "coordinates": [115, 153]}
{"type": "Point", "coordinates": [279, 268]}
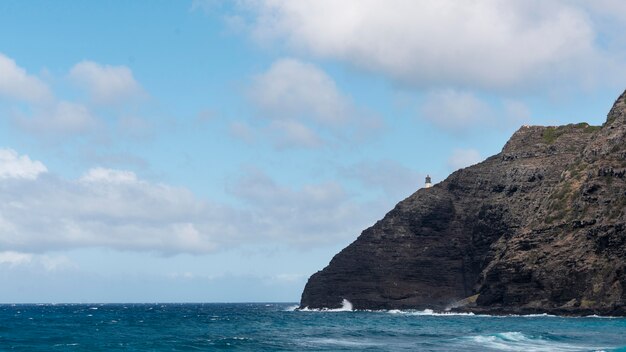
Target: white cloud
{"type": "Point", "coordinates": [116, 209]}
{"type": "Point", "coordinates": [461, 158]}
{"type": "Point", "coordinates": [15, 258]}
{"type": "Point", "coordinates": [16, 83]}
{"type": "Point", "coordinates": [55, 262]}
{"type": "Point", "coordinates": [294, 89]}
{"type": "Point", "coordinates": [305, 108]}
{"type": "Point", "coordinates": [103, 175]}
{"type": "Point", "coordinates": [39, 113]}
{"type": "Point", "coordinates": [105, 208]}
{"type": "Point", "coordinates": [13, 165]}
{"type": "Point", "coordinates": [106, 84]}
{"type": "Point", "coordinates": [48, 263]}
{"type": "Point", "coordinates": [311, 215]}
{"type": "Point", "coordinates": [60, 119]}
{"type": "Point", "coordinates": [489, 44]}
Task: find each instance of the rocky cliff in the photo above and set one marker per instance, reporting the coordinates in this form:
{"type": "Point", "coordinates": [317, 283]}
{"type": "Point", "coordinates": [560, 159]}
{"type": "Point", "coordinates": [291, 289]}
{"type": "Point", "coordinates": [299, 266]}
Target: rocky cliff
{"type": "Point", "coordinates": [539, 227]}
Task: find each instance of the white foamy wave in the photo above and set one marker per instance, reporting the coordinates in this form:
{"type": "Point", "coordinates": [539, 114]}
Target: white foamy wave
{"type": "Point", "coordinates": [534, 315]}
{"type": "Point", "coordinates": [344, 342]}
{"type": "Point", "coordinates": [346, 306]}
{"type": "Point", "coordinates": [516, 341]}
{"type": "Point", "coordinates": [291, 308]}
{"type": "Point", "coordinates": [600, 316]}
{"type": "Point", "coordinates": [427, 312]}
{"type": "Point", "coordinates": [430, 312]}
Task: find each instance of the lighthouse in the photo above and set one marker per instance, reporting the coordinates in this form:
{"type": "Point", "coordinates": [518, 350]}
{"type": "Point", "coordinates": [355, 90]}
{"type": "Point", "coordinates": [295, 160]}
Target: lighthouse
{"type": "Point", "coordinates": [428, 183]}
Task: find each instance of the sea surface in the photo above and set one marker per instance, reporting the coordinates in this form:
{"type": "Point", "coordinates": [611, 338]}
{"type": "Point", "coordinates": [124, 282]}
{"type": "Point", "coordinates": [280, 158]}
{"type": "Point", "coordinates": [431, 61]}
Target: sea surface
{"type": "Point", "coordinates": [278, 327]}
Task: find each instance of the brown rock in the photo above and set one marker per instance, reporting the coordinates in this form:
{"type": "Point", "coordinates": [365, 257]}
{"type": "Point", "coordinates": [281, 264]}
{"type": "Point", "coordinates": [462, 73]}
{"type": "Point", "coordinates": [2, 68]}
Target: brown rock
{"type": "Point", "coordinates": [539, 227]}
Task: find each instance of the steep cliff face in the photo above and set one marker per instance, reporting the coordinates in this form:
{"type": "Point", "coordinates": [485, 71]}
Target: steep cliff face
{"type": "Point", "coordinates": [539, 227]}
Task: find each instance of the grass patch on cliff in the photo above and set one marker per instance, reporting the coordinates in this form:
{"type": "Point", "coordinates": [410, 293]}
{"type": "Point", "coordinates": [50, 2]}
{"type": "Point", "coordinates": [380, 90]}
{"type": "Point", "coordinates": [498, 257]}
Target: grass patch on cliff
{"type": "Point", "coordinates": [587, 128]}
{"type": "Point", "coordinates": [550, 134]}
{"type": "Point", "coordinates": [560, 200]}
{"type": "Point", "coordinates": [575, 169]}
{"type": "Point", "coordinates": [591, 129]}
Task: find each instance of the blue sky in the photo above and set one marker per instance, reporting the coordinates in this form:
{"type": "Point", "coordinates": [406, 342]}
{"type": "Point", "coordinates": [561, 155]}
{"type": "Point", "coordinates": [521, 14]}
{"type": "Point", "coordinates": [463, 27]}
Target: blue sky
{"type": "Point", "coordinates": [188, 151]}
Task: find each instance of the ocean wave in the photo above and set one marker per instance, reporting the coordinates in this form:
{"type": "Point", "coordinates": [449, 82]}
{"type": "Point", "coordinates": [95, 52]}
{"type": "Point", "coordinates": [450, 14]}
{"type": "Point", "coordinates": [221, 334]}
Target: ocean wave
{"type": "Point", "coordinates": [292, 308]}
{"type": "Point", "coordinates": [341, 342]}
{"type": "Point", "coordinates": [346, 306]}
{"type": "Point", "coordinates": [517, 341]}
{"type": "Point", "coordinates": [427, 312]}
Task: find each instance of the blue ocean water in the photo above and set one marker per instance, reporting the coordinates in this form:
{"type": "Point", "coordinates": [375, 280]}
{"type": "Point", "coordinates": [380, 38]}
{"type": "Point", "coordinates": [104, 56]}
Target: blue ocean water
{"type": "Point", "coordinates": [277, 327]}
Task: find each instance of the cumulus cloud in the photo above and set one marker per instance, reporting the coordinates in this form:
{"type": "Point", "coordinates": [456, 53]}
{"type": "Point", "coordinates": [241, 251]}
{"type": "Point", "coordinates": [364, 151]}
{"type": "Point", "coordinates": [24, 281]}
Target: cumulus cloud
{"type": "Point", "coordinates": [44, 115]}
{"type": "Point", "coordinates": [295, 89]}
{"type": "Point", "coordinates": [483, 44]}
{"type": "Point", "coordinates": [57, 120]}
{"type": "Point", "coordinates": [461, 158]}
{"type": "Point", "coordinates": [304, 107]}
{"type": "Point", "coordinates": [106, 84]}
{"type": "Point", "coordinates": [16, 83]}
{"type": "Point", "coordinates": [15, 258]}
{"type": "Point", "coordinates": [33, 108]}
{"type": "Point", "coordinates": [117, 209]}
{"type": "Point", "coordinates": [102, 175]}
{"type": "Point", "coordinates": [13, 165]}
{"type": "Point", "coordinates": [12, 259]}
{"type": "Point", "coordinates": [311, 215]}
{"type": "Point", "coordinates": [105, 208]}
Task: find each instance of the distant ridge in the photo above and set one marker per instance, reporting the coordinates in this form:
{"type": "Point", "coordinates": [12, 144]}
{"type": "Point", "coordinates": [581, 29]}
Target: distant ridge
{"type": "Point", "coordinates": [539, 227]}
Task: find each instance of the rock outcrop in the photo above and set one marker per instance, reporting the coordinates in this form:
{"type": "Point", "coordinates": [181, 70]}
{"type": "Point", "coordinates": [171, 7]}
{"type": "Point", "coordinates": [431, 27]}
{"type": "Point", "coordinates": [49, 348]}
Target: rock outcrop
{"type": "Point", "coordinates": [539, 227]}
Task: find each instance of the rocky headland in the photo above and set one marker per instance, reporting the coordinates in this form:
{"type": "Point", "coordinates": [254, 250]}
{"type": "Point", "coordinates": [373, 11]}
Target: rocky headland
{"type": "Point", "coordinates": [539, 227]}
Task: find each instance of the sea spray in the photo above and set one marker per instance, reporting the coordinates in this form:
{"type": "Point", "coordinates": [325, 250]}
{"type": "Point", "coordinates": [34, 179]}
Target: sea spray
{"type": "Point", "coordinates": [346, 306]}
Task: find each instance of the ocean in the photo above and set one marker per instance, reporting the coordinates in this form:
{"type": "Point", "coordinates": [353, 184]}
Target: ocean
{"type": "Point", "coordinates": [278, 327]}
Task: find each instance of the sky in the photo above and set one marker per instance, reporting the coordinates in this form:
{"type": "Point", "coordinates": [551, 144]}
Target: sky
{"type": "Point", "coordinates": [224, 151]}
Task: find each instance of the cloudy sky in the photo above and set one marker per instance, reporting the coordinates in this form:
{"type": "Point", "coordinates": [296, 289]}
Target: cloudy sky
{"type": "Point", "coordinates": [202, 151]}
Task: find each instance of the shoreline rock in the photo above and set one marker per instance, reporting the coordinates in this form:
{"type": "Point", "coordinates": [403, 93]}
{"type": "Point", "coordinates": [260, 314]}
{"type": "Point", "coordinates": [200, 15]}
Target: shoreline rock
{"type": "Point", "coordinates": [540, 226]}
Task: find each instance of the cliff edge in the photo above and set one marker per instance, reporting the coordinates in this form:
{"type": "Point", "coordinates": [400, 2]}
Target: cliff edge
{"type": "Point", "coordinates": [538, 227]}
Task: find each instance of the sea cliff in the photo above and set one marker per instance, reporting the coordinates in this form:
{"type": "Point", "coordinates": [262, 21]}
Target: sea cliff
{"type": "Point", "coordinates": [538, 227]}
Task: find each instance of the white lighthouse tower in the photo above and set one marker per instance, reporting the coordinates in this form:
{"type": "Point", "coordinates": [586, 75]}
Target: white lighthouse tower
{"type": "Point", "coordinates": [428, 183]}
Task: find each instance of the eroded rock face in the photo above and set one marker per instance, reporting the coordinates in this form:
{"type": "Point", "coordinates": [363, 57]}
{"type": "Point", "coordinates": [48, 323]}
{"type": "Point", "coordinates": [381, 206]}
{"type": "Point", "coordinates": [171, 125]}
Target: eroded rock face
{"type": "Point", "coordinates": [539, 227]}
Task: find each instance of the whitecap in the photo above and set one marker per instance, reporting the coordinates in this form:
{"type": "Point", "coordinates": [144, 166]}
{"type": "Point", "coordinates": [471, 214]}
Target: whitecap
{"type": "Point", "coordinates": [350, 343]}
{"type": "Point", "coordinates": [346, 306]}
{"type": "Point", "coordinates": [602, 316]}
{"type": "Point", "coordinates": [425, 312]}
{"type": "Point", "coordinates": [517, 341]}
{"type": "Point", "coordinates": [291, 308]}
